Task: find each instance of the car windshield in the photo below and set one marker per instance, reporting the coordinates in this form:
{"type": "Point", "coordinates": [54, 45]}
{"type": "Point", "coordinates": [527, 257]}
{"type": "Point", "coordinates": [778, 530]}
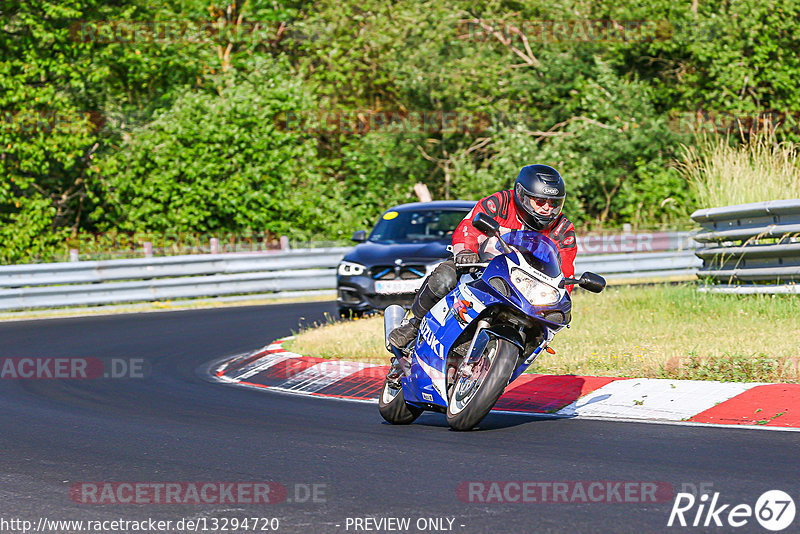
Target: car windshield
{"type": "Point", "coordinates": [417, 226]}
{"type": "Point", "coordinates": [538, 250]}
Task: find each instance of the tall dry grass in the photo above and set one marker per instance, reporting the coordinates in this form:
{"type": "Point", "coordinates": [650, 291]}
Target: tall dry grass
{"type": "Point", "coordinates": [724, 174]}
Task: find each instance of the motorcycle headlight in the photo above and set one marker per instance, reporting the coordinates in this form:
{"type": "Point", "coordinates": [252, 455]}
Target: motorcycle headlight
{"type": "Point", "coordinates": [536, 292]}
{"type": "Point", "coordinates": [348, 268]}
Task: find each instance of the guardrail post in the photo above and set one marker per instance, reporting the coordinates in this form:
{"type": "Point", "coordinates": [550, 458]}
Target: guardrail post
{"type": "Point", "coordinates": [73, 254]}
{"type": "Point", "coordinates": [148, 249]}
{"type": "Point", "coordinates": [284, 242]}
{"type": "Point", "coordinates": [214, 245]}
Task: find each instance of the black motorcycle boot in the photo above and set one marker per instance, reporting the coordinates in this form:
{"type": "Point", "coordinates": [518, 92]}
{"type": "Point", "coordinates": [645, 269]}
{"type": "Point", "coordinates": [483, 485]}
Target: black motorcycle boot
{"type": "Point", "coordinates": [437, 285]}
{"type": "Point", "coordinates": [405, 333]}
{"type": "Point", "coordinates": [409, 327]}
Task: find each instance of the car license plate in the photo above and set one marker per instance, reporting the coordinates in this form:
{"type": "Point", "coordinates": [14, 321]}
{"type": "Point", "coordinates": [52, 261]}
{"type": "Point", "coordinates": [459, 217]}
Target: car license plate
{"type": "Point", "coordinates": [398, 286]}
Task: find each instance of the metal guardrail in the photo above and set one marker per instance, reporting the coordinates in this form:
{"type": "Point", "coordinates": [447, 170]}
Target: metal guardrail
{"type": "Point", "coordinates": [645, 265]}
{"type": "Point", "coordinates": [630, 257]}
{"type": "Point", "coordinates": [750, 248]}
{"type": "Point", "coordinates": [137, 280]}
{"type": "Point", "coordinates": [170, 266]}
{"type": "Point", "coordinates": [633, 256]}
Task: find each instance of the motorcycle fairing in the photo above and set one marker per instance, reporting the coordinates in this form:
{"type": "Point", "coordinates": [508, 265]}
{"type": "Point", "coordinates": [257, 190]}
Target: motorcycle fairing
{"type": "Point", "coordinates": [446, 321]}
{"type": "Point", "coordinates": [438, 331]}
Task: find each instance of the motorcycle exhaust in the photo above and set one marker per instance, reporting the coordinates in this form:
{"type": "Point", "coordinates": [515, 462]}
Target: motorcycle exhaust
{"type": "Point", "coordinates": [392, 316]}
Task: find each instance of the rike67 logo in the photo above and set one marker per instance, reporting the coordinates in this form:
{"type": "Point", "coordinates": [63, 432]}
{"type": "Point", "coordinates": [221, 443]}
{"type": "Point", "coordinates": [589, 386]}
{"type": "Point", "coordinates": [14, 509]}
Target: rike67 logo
{"type": "Point", "coordinates": [774, 510]}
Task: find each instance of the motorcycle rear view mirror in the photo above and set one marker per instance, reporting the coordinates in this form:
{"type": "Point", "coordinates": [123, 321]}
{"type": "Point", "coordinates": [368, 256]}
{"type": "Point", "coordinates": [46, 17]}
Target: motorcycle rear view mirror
{"type": "Point", "coordinates": [588, 281]}
{"type": "Point", "coordinates": [491, 228]}
{"type": "Point", "coordinates": [592, 282]}
{"type": "Point", "coordinates": [486, 225]}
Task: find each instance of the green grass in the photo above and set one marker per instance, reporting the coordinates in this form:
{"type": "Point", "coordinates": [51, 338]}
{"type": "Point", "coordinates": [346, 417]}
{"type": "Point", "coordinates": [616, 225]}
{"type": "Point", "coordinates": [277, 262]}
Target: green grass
{"type": "Point", "coordinates": [658, 331]}
{"type": "Point", "coordinates": [722, 174]}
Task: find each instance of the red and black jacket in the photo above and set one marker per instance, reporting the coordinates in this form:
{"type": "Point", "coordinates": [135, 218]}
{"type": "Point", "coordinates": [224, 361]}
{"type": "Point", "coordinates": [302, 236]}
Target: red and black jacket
{"type": "Point", "coordinates": [500, 206]}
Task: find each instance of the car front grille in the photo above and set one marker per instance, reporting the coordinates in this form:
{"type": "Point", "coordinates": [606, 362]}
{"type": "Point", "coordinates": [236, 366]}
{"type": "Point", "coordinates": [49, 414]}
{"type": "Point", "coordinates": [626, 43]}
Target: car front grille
{"type": "Point", "coordinates": [393, 272]}
{"type": "Point", "coordinates": [350, 296]}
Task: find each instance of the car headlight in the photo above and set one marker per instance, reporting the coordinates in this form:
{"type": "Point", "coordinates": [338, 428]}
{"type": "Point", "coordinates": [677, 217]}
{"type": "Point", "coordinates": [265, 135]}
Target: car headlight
{"type": "Point", "coordinates": [536, 292]}
{"type": "Point", "coordinates": [348, 268]}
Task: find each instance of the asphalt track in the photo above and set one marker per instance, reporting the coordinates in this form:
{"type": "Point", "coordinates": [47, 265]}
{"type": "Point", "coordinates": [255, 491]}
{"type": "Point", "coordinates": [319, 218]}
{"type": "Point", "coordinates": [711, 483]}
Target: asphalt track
{"type": "Point", "coordinates": [175, 425]}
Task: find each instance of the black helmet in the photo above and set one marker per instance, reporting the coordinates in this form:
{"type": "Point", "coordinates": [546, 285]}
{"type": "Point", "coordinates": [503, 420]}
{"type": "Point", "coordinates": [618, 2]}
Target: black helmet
{"type": "Point", "coordinates": [539, 195]}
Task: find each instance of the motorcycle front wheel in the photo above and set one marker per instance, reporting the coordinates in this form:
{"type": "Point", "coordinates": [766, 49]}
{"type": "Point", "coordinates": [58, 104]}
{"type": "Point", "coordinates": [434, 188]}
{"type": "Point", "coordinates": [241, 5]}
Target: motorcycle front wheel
{"type": "Point", "coordinates": [394, 408]}
{"type": "Point", "coordinates": [474, 395]}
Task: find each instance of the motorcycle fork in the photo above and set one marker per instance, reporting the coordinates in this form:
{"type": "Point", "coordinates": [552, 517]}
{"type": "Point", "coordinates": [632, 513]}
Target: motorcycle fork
{"type": "Point", "coordinates": [473, 355]}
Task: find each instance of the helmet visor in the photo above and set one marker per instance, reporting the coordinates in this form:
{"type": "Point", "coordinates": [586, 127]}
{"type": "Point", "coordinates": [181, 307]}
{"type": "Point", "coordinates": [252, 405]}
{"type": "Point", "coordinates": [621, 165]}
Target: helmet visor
{"type": "Point", "coordinates": [546, 207]}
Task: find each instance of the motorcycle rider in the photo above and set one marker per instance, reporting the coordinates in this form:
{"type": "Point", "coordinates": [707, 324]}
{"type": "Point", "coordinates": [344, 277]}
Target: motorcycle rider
{"type": "Point", "coordinates": [538, 197]}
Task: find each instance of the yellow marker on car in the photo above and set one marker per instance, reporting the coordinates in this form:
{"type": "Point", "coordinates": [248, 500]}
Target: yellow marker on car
{"type": "Point", "coordinates": [389, 215]}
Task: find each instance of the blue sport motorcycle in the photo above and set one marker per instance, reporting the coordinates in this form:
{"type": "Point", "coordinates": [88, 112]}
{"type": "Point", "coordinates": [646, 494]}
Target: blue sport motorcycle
{"type": "Point", "coordinates": [486, 332]}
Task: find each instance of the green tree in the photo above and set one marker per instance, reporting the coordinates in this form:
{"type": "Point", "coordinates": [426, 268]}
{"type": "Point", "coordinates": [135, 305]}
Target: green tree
{"type": "Point", "coordinates": [220, 162]}
{"type": "Point", "coordinates": [47, 139]}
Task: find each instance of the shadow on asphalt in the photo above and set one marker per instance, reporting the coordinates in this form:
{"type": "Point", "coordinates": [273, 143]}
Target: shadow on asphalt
{"type": "Point", "coordinates": [493, 421]}
{"type": "Point", "coordinates": [544, 394]}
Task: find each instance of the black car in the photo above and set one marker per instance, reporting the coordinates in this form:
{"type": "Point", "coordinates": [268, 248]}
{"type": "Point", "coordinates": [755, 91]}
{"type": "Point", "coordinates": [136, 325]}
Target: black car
{"type": "Point", "coordinates": [388, 267]}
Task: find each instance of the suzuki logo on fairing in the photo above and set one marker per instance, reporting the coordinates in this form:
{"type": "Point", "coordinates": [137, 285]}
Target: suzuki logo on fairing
{"type": "Point", "coordinates": [427, 334]}
{"type": "Point", "coordinates": [550, 191]}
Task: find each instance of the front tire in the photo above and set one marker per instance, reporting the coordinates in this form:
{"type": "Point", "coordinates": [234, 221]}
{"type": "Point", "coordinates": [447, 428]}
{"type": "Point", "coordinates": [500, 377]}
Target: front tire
{"type": "Point", "coordinates": [394, 408]}
{"type": "Point", "coordinates": [473, 398]}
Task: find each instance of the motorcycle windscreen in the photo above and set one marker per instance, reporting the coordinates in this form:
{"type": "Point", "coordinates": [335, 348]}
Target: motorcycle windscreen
{"type": "Point", "coordinates": [539, 250]}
